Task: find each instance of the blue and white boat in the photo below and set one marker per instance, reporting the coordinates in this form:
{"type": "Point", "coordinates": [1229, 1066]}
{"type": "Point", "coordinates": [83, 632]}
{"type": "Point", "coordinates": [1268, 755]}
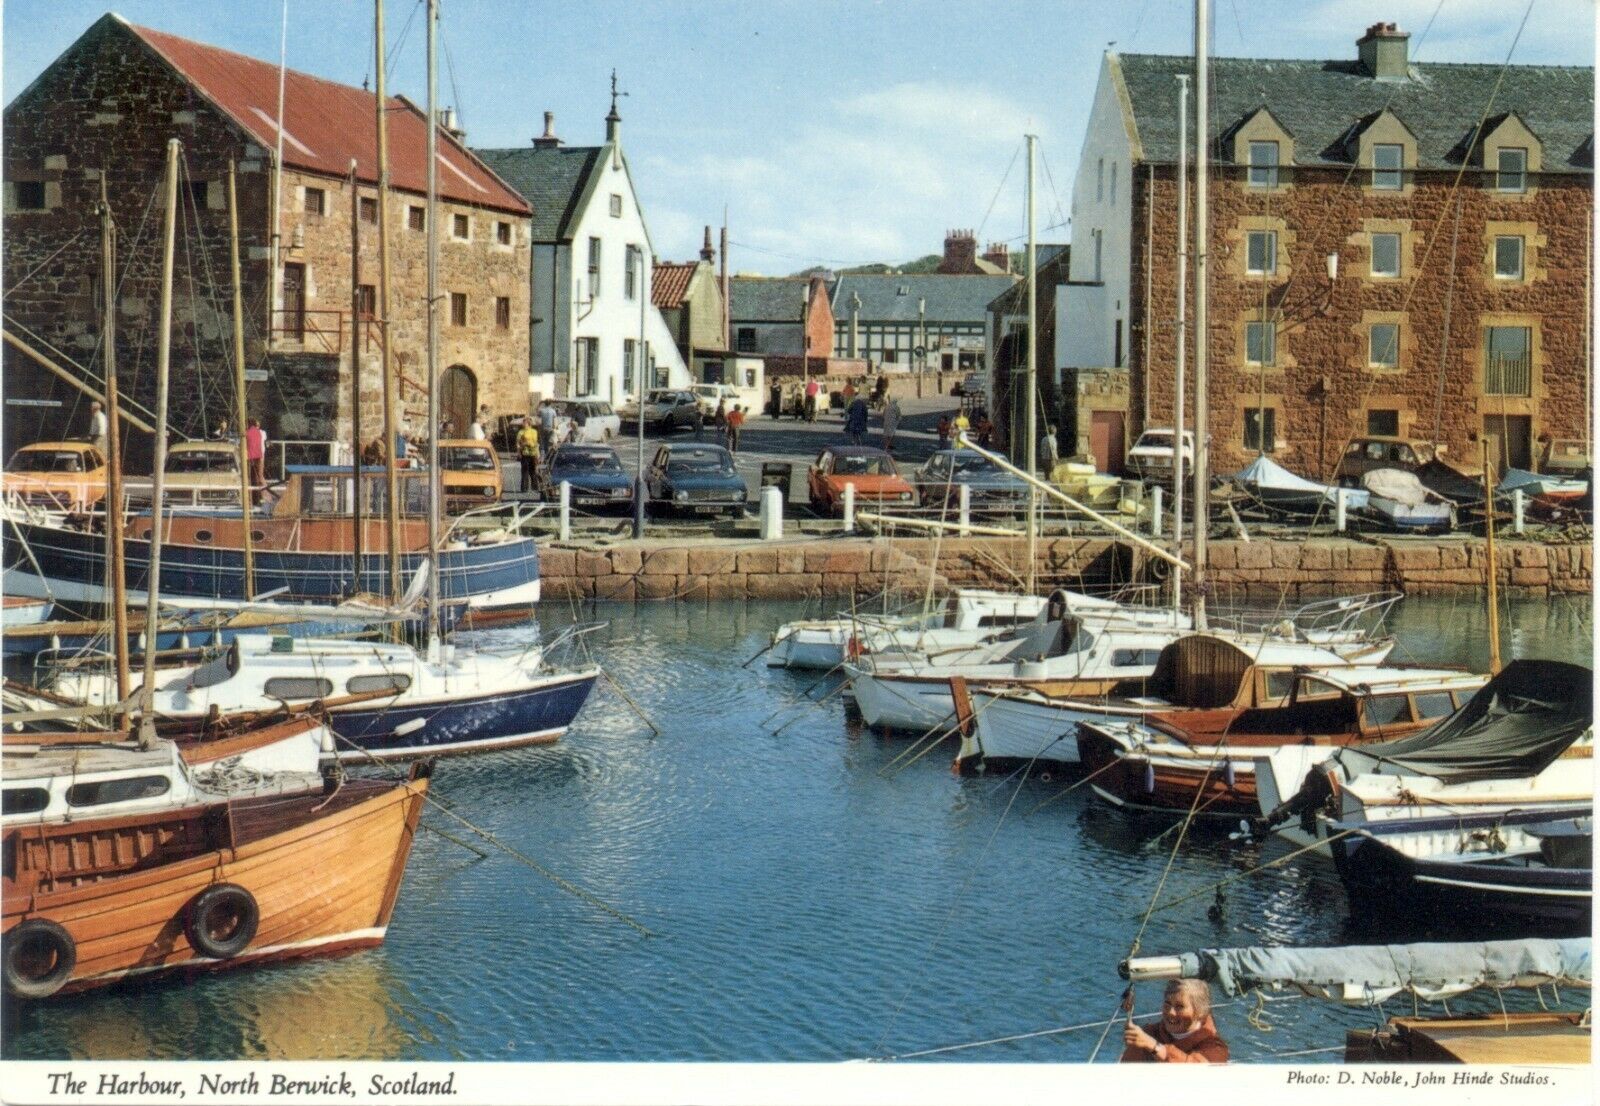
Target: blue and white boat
{"type": "Point", "coordinates": [1400, 500]}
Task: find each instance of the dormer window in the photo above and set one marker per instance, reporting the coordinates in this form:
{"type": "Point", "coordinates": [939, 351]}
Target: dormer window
{"type": "Point", "coordinates": [1512, 174]}
{"type": "Point", "coordinates": [1263, 165]}
{"type": "Point", "coordinates": [1388, 159]}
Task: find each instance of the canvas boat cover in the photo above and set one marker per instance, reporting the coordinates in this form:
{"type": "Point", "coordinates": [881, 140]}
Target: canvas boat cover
{"type": "Point", "coordinates": [1450, 482]}
{"type": "Point", "coordinates": [1266, 475]}
{"type": "Point", "coordinates": [1516, 725]}
{"type": "Point", "coordinates": [1399, 485]}
{"type": "Point", "coordinates": [1369, 974]}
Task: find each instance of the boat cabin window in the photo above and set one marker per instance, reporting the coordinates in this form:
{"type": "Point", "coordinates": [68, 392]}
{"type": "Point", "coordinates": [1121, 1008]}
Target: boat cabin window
{"type": "Point", "coordinates": [1312, 688]}
{"type": "Point", "coordinates": [1435, 704]}
{"type": "Point", "coordinates": [24, 800]}
{"type": "Point", "coordinates": [214, 671]}
{"type": "Point", "coordinates": [394, 681]}
{"type": "Point", "coordinates": [1004, 620]}
{"type": "Point", "coordinates": [297, 687]}
{"type": "Point", "coordinates": [1280, 684]}
{"type": "Point", "coordinates": [1385, 710]}
{"type": "Point", "coordinates": [1134, 658]}
{"type": "Point", "coordinates": [117, 791]}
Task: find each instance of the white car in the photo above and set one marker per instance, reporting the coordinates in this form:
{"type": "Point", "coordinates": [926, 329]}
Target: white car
{"type": "Point", "coordinates": [1151, 456]}
{"type": "Point", "coordinates": [709, 395]}
{"type": "Point", "coordinates": [591, 420]}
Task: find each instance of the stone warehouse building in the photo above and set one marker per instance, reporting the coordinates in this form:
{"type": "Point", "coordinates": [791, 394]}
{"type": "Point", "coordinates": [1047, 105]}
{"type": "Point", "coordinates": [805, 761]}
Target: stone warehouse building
{"type": "Point", "coordinates": [109, 104]}
{"type": "Point", "coordinates": [1396, 247]}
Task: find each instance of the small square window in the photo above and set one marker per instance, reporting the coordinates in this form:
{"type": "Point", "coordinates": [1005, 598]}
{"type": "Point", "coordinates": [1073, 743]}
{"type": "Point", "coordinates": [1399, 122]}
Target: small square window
{"type": "Point", "coordinates": [461, 227]}
{"type": "Point", "coordinates": [1383, 350]}
{"type": "Point", "coordinates": [417, 218]}
{"type": "Point", "coordinates": [30, 195]}
{"type": "Point", "coordinates": [502, 233]}
{"type": "Point", "coordinates": [1386, 255]}
{"type": "Point", "coordinates": [458, 309]}
{"type": "Point", "coordinates": [747, 339]}
{"type": "Point", "coordinates": [1261, 343]}
{"type": "Point", "coordinates": [1261, 257]}
{"type": "Point", "coordinates": [1383, 423]}
{"type": "Point", "coordinates": [367, 301]}
{"type": "Point", "coordinates": [316, 201]}
{"type": "Point", "coordinates": [502, 312]}
{"type": "Point", "coordinates": [616, 206]}
{"type": "Point", "coordinates": [1387, 162]}
{"type": "Point", "coordinates": [1508, 257]}
{"type": "Point", "coordinates": [199, 193]}
{"type": "Point", "coordinates": [1513, 171]}
{"type": "Point", "coordinates": [368, 206]}
{"type": "Point", "coordinates": [1263, 165]}
{"type": "Point", "coordinates": [1257, 419]}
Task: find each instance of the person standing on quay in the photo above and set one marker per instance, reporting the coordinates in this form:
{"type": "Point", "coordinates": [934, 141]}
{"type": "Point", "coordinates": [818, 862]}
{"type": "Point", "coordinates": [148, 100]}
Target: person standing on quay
{"type": "Point", "coordinates": [855, 420]}
{"type": "Point", "coordinates": [721, 420]}
{"type": "Point", "coordinates": [475, 431]}
{"type": "Point", "coordinates": [812, 387]}
{"type": "Point", "coordinates": [944, 431]}
{"type": "Point", "coordinates": [735, 424]}
{"type": "Point", "coordinates": [255, 451]}
{"type": "Point", "coordinates": [99, 428]}
{"type": "Point", "coordinates": [1049, 453]}
{"type": "Point", "coordinates": [891, 423]}
{"type": "Point", "coordinates": [547, 426]}
{"type": "Point", "coordinates": [528, 454]}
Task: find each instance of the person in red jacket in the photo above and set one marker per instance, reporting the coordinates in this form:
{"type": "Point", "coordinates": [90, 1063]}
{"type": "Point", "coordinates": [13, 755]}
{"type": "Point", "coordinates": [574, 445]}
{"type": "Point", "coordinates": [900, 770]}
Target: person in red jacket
{"type": "Point", "coordinates": [1186, 1033]}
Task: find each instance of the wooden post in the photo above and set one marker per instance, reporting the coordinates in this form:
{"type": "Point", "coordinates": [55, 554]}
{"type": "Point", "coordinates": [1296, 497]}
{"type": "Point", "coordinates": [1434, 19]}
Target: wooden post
{"type": "Point", "coordinates": [1494, 583]}
{"type": "Point", "coordinates": [246, 493]}
{"type": "Point", "coordinates": [113, 500]}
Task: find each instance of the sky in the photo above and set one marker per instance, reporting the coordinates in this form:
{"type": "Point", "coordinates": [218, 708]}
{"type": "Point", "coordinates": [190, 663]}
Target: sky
{"type": "Point", "coordinates": [830, 132]}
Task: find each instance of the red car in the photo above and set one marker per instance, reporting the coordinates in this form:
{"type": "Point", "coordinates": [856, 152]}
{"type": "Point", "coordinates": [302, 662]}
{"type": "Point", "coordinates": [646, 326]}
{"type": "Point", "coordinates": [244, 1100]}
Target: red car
{"type": "Point", "coordinates": [870, 470]}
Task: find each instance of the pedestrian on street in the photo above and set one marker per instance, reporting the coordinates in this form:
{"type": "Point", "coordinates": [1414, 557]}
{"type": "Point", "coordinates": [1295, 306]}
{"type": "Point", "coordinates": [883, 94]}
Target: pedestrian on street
{"type": "Point", "coordinates": [528, 455]}
{"type": "Point", "coordinates": [944, 431]}
{"type": "Point", "coordinates": [547, 426]}
{"type": "Point", "coordinates": [699, 424]}
{"type": "Point", "coordinates": [721, 420]}
{"type": "Point", "coordinates": [855, 420]}
{"type": "Point", "coordinates": [812, 387]}
{"type": "Point", "coordinates": [99, 428]}
{"type": "Point", "coordinates": [735, 424]}
{"type": "Point", "coordinates": [255, 451]}
{"type": "Point", "coordinates": [476, 430]}
{"type": "Point", "coordinates": [1049, 454]}
{"type": "Point", "coordinates": [220, 434]}
{"type": "Point", "coordinates": [891, 423]}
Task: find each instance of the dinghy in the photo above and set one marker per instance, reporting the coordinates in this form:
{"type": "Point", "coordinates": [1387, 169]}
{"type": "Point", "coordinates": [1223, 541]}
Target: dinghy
{"type": "Point", "coordinates": [1279, 490]}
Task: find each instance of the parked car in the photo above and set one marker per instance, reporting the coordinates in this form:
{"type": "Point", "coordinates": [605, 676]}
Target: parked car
{"type": "Point", "coordinates": [871, 471]}
{"type": "Point", "coordinates": [1565, 457]}
{"type": "Point", "coordinates": [197, 474]}
{"type": "Point", "coordinates": [594, 472]}
{"type": "Point", "coordinates": [470, 473]}
{"type": "Point", "coordinates": [676, 410]}
{"type": "Point", "coordinates": [62, 476]}
{"type": "Point", "coordinates": [941, 476]}
{"type": "Point", "coordinates": [1150, 459]}
{"type": "Point", "coordinates": [697, 478]}
{"type": "Point", "coordinates": [1380, 451]}
{"type": "Point", "coordinates": [970, 385]}
{"type": "Point", "coordinates": [591, 420]}
{"type": "Point", "coordinates": [709, 395]}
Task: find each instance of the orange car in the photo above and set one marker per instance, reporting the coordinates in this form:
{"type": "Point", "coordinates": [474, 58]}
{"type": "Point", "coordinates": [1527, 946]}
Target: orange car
{"type": "Point", "coordinates": [64, 476]}
{"type": "Point", "coordinates": [470, 472]}
{"type": "Point", "coordinates": [870, 470]}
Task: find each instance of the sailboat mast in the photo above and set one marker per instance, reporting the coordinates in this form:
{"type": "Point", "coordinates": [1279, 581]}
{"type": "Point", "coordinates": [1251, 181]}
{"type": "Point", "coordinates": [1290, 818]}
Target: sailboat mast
{"type": "Point", "coordinates": [355, 377]}
{"type": "Point", "coordinates": [113, 500]}
{"type": "Point", "coordinates": [434, 487]}
{"type": "Point", "coordinates": [245, 493]}
{"type": "Point", "coordinates": [1202, 260]}
{"type": "Point", "coordinates": [147, 706]}
{"type": "Point", "coordinates": [391, 419]}
{"type": "Point", "coordinates": [1182, 336]}
{"type": "Point", "coordinates": [1032, 431]}
{"type": "Point", "coordinates": [1491, 569]}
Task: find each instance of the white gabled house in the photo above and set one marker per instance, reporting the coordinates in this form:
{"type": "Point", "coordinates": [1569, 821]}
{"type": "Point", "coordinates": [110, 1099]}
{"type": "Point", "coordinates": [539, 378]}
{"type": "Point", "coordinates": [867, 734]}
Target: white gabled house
{"type": "Point", "coordinates": [591, 272]}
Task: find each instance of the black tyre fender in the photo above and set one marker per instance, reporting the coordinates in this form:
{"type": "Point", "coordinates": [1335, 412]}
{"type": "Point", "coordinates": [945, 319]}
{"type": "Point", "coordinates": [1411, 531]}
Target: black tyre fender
{"type": "Point", "coordinates": [39, 958]}
{"type": "Point", "coordinates": [220, 922]}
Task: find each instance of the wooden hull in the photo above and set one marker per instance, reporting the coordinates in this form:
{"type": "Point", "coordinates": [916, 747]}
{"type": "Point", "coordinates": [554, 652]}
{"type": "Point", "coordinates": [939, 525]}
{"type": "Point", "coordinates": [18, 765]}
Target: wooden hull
{"type": "Point", "coordinates": [1141, 782]}
{"type": "Point", "coordinates": [324, 872]}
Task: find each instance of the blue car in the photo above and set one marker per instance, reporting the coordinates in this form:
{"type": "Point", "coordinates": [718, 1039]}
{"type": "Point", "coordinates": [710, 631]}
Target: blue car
{"type": "Point", "coordinates": [940, 478]}
{"type": "Point", "coordinates": [695, 478]}
{"type": "Point", "coordinates": [599, 482]}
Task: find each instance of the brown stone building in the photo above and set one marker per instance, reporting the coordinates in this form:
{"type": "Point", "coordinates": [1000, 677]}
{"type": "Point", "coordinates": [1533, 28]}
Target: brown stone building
{"type": "Point", "coordinates": [1396, 247]}
{"type": "Point", "coordinates": [108, 105]}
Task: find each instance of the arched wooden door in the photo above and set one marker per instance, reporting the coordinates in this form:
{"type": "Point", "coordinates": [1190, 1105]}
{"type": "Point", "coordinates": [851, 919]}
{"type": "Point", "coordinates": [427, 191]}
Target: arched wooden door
{"type": "Point", "coordinates": [458, 399]}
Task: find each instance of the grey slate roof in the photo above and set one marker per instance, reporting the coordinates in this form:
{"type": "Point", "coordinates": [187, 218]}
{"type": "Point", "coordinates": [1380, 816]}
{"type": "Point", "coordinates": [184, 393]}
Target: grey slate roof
{"type": "Point", "coordinates": [766, 299]}
{"type": "Point", "coordinates": [551, 180]}
{"type": "Point", "coordinates": [1322, 102]}
{"type": "Point", "coordinates": [950, 299]}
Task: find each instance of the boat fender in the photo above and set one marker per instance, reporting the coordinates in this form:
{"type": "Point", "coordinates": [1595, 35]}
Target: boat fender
{"type": "Point", "coordinates": [1149, 778]}
{"type": "Point", "coordinates": [39, 958]}
{"type": "Point", "coordinates": [221, 921]}
{"type": "Point", "coordinates": [1227, 773]}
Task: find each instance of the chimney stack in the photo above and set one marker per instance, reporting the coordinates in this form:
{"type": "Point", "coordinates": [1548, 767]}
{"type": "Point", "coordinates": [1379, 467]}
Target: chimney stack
{"type": "Point", "coordinates": [707, 253]}
{"type": "Point", "coordinates": [548, 140]}
{"type": "Point", "coordinates": [1383, 50]}
{"type": "Point", "coordinates": [999, 255]}
{"type": "Point", "coordinates": [448, 124]}
{"type": "Point", "coordinates": [960, 252]}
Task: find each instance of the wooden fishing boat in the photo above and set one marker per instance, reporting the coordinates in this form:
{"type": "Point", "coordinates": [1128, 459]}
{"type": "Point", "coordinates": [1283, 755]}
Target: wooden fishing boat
{"type": "Point", "coordinates": [1539, 1038]}
{"type": "Point", "coordinates": [19, 611]}
{"type": "Point", "coordinates": [206, 887]}
{"type": "Point", "coordinates": [1203, 760]}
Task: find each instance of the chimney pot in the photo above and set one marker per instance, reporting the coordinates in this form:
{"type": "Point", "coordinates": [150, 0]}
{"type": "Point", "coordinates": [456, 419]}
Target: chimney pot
{"type": "Point", "coordinates": [1383, 52]}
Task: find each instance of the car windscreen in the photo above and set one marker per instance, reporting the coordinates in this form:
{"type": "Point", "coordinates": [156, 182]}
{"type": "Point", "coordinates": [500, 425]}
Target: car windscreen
{"type": "Point", "coordinates": [863, 466]}
{"type": "Point", "coordinates": [585, 460]}
{"type": "Point", "coordinates": [1154, 441]}
{"type": "Point", "coordinates": [466, 459]}
{"type": "Point", "coordinates": [46, 460]}
{"type": "Point", "coordinates": [207, 461]}
{"type": "Point", "coordinates": [699, 461]}
{"type": "Point", "coordinates": [974, 466]}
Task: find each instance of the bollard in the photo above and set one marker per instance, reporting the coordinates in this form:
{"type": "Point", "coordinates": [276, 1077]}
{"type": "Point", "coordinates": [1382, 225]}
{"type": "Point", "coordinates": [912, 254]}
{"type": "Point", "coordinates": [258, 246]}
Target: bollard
{"type": "Point", "coordinates": [641, 495]}
{"type": "Point", "coordinates": [771, 514]}
{"type": "Point", "coordinates": [1518, 504]}
{"type": "Point", "coordinates": [849, 508]}
{"type": "Point", "coordinates": [566, 511]}
{"type": "Point", "coordinates": [965, 514]}
{"type": "Point", "coordinates": [1338, 509]}
{"type": "Point", "coordinates": [1155, 512]}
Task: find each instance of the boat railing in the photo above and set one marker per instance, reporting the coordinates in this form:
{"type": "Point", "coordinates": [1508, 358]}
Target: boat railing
{"type": "Point", "coordinates": [513, 524]}
{"type": "Point", "coordinates": [1340, 616]}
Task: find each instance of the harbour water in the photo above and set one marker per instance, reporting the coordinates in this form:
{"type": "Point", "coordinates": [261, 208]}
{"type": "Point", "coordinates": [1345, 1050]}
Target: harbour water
{"type": "Point", "coordinates": [814, 894]}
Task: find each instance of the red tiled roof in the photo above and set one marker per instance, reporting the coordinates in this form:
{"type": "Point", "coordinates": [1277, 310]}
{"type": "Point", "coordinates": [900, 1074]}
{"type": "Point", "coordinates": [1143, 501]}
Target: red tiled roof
{"type": "Point", "coordinates": [326, 123]}
{"type": "Point", "coordinates": [670, 283]}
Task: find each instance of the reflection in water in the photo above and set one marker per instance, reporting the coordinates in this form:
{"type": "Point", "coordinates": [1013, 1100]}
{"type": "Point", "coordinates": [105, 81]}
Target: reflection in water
{"type": "Point", "coordinates": [821, 895]}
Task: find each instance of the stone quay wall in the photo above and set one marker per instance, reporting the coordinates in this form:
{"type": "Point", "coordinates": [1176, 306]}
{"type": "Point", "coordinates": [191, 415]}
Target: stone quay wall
{"type": "Point", "coordinates": [851, 567]}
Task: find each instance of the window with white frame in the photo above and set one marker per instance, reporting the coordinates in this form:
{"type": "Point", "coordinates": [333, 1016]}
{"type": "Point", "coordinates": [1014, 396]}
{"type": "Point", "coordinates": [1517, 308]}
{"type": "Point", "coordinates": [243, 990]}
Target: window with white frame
{"type": "Point", "coordinates": [1508, 257]}
{"type": "Point", "coordinates": [594, 268]}
{"type": "Point", "coordinates": [1383, 346]}
{"type": "Point", "coordinates": [1512, 174]}
{"type": "Point", "coordinates": [1263, 165]}
{"type": "Point", "coordinates": [316, 201]}
{"type": "Point", "coordinates": [616, 205]}
{"type": "Point", "coordinates": [1261, 429]}
{"type": "Point", "coordinates": [630, 352]}
{"type": "Point", "coordinates": [1097, 245]}
{"type": "Point", "coordinates": [1388, 159]}
{"type": "Point", "coordinates": [1508, 360]}
{"type": "Point", "coordinates": [1386, 255]}
{"type": "Point", "coordinates": [1100, 180]}
{"type": "Point", "coordinates": [1261, 252]}
{"type": "Point", "coordinates": [1113, 184]}
{"type": "Point", "coordinates": [630, 276]}
{"type": "Point", "coordinates": [1260, 343]}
